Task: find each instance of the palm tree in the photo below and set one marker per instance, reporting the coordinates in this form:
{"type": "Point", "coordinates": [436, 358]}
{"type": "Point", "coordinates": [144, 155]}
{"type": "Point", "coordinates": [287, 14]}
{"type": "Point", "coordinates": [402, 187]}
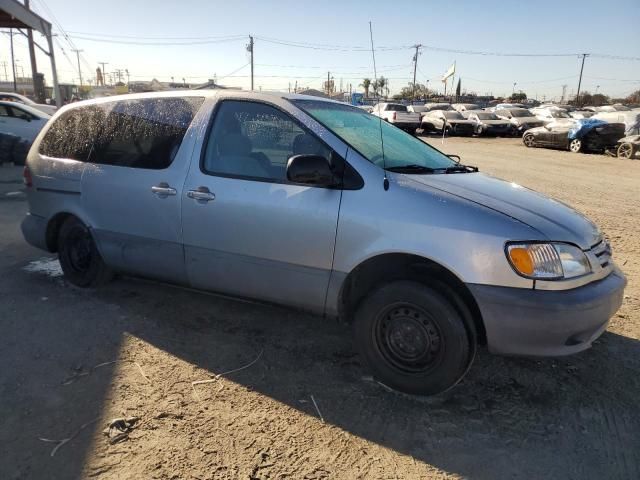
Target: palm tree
{"type": "Point", "coordinates": [366, 83]}
{"type": "Point", "coordinates": [383, 84]}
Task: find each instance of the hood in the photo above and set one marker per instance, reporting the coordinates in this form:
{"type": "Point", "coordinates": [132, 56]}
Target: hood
{"type": "Point", "coordinates": [495, 122]}
{"type": "Point", "coordinates": [553, 219]}
{"type": "Point", "coordinates": [521, 120]}
{"type": "Point", "coordinates": [458, 121]}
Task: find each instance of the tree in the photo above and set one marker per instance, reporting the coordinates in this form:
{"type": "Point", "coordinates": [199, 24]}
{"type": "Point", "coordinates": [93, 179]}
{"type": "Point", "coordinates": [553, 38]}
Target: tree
{"type": "Point", "coordinates": [366, 84]}
{"type": "Point", "coordinates": [634, 97]}
{"type": "Point", "coordinates": [406, 93]}
{"type": "Point", "coordinates": [596, 100]}
{"type": "Point", "coordinates": [518, 97]}
{"type": "Point", "coordinates": [380, 85]}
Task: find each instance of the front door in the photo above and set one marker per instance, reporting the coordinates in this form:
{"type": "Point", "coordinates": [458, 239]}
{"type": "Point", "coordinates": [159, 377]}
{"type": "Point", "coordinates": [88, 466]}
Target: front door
{"type": "Point", "coordinates": [247, 230]}
{"type": "Point", "coordinates": [132, 184]}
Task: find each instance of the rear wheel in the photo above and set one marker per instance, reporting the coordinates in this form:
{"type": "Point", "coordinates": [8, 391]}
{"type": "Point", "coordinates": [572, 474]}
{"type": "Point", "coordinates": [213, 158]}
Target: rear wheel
{"type": "Point", "coordinates": [80, 260]}
{"type": "Point", "coordinates": [414, 338]}
{"type": "Point", "coordinates": [575, 145]}
{"type": "Point", "coordinates": [529, 140]}
{"type": "Point", "coordinates": [626, 150]}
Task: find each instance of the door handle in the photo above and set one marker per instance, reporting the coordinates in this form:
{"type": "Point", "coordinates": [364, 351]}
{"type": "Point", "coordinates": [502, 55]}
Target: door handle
{"type": "Point", "coordinates": [202, 194]}
{"type": "Point", "coordinates": [163, 190]}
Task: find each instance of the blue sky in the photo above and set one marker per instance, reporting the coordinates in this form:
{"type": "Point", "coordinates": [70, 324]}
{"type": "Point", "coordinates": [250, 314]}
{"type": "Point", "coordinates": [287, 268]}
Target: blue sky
{"type": "Point", "coordinates": [498, 26]}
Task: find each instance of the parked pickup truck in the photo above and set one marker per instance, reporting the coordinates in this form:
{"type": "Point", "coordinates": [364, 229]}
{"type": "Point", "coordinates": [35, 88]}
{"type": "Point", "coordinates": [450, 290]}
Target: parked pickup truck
{"type": "Point", "coordinates": [398, 115]}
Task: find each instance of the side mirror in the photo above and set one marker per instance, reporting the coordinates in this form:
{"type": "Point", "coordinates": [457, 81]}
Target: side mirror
{"type": "Point", "coordinates": [310, 170]}
{"type": "Point", "coordinates": [454, 157]}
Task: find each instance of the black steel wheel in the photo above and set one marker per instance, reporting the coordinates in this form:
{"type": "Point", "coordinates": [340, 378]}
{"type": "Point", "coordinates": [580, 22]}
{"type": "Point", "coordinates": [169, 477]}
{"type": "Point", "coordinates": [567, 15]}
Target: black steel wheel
{"type": "Point", "coordinates": [79, 257]}
{"type": "Point", "coordinates": [415, 338]}
{"type": "Point", "coordinates": [408, 338]}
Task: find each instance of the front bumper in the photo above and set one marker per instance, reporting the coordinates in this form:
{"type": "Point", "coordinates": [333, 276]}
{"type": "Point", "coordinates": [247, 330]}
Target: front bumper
{"type": "Point", "coordinates": [547, 323]}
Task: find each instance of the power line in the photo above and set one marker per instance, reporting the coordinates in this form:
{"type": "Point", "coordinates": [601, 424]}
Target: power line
{"type": "Point", "coordinates": [168, 38]}
{"type": "Point", "coordinates": [165, 43]}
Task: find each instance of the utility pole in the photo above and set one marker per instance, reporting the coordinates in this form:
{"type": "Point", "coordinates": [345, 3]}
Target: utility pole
{"type": "Point", "coordinates": [13, 62]}
{"type": "Point", "coordinates": [32, 58]}
{"type": "Point", "coordinates": [78, 58]}
{"type": "Point", "coordinates": [564, 92]}
{"type": "Point", "coordinates": [104, 72]}
{"type": "Point", "coordinates": [4, 66]}
{"type": "Point", "coordinates": [415, 66]}
{"type": "Point", "coordinates": [250, 50]}
{"type": "Point", "coordinates": [584, 55]}
{"type": "Point", "coordinates": [328, 83]}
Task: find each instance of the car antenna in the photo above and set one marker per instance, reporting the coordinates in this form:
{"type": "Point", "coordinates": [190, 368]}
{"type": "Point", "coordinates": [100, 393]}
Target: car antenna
{"type": "Point", "coordinates": [385, 182]}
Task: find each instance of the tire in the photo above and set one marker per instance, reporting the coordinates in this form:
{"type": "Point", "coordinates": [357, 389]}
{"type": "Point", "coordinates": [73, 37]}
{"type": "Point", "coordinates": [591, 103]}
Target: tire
{"type": "Point", "coordinates": [626, 150]}
{"type": "Point", "coordinates": [414, 338]}
{"type": "Point", "coordinates": [79, 257]}
{"type": "Point", "coordinates": [529, 140]}
{"type": "Point", "coordinates": [575, 145]}
{"type": "Point", "coordinates": [479, 130]}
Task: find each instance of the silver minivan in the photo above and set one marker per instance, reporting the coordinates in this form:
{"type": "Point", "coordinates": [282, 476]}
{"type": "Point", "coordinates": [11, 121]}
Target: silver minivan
{"type": "Point", "coordinates": [318, 205]}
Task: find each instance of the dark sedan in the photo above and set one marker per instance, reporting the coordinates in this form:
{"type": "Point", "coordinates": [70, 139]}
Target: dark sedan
{"type": "Point", "coordinates": [586, 135]}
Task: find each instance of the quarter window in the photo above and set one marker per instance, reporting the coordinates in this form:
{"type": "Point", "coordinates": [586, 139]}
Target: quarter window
{"type": "Point", "coordinates": [254, 140]}
{"type": "Point", "coordinates": [72, 135]}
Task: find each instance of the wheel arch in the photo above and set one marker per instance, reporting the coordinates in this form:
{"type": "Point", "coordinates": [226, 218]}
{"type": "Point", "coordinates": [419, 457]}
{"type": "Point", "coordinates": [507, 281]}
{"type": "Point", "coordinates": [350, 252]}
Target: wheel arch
{"type": "Point", "coordinates": [382, 268]}
{"type": "Point", "coordinates": [53, 228]}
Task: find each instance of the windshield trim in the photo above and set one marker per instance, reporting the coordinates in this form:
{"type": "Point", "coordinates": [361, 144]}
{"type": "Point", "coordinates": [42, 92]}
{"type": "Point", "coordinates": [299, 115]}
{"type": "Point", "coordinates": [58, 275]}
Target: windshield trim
{"type": "Point", "coordinates": [297, 103]}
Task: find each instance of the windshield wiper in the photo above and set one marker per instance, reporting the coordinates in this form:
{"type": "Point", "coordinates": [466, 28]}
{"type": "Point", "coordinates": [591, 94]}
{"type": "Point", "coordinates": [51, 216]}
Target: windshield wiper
{"type": "Point", "coordinates": [411, 168]}
{"type": "Point", "coordinates": [459, 168]}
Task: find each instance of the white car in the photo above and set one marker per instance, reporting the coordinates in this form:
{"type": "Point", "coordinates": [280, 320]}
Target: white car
{"type": "Point", "coordinates": [19, 126]}
{"type": "Point", "coordinates": [551, 114]}
{"type": "Point", "coordinates": [630, 118]}
{"type": "Point", "coordinates": [16, 97]}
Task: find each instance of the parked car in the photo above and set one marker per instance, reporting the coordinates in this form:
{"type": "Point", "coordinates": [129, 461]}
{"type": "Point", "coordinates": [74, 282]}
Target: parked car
{"type": "Point", "coordinates": [437, 106]}
{"type": "Point", "coordinates": [579, 114]}
{"type": "Point", "coordinates": [630, 118]}
{"type": "Point", "coordinates": [586, 135]}
{"type": "Point", "coordinates": [366, 108]}
{"type": "Point", "coordinates": [608, 108]}
{"type": "Point", "coordinates": [452, 122]}
{"type": "Point", "coordinates": [505, 105]}
{"type": "Point", "coordinates": [487, 123]}
{"type": "Point", "coordinates": [16, 97]}
{"type": "Point", "coordinates": [19, 126]}
{"type": "Point", "coordinates": [398, 115]}
{"type": "Point", "coordinates": [462, 107]}
{"type": "Point", "coordinates": [417, 108]}
{"type": "Point", "coordinates": [551, 114]}
{"type": "Point", "coordinates": [628, 146]}
{"type": "Point", "coordinates": [521, 119]}
{"type": "Point", "coordinates": [289, 199]}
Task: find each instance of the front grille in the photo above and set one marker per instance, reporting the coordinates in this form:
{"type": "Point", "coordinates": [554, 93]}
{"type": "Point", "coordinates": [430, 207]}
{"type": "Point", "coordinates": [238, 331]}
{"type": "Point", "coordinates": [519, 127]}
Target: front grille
{"type": "Point", "coordinates": [602, 251]}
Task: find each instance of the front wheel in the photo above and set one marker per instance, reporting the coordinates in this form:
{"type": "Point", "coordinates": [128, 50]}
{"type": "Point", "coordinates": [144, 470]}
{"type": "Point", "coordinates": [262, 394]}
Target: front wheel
{"type": "Point", "coordinates": [79, 257]}
{"type": "Point", "coordinates": [414, 338]}
{"type": "Point", "coordinates": [626, 150]}
{"type": "Point", "coordinates": [575, 145]}
{"type": "Point", "coordinates": [529, 140]}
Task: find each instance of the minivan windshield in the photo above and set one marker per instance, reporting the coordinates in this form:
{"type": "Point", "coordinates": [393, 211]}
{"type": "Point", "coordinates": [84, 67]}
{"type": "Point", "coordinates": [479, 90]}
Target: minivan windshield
{"type": "Point", "coordinates": [363, 132]}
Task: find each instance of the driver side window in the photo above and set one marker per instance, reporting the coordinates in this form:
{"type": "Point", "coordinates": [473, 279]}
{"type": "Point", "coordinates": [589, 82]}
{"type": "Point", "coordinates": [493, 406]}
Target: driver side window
{"type": "Point", "coordinates": [254, 141]}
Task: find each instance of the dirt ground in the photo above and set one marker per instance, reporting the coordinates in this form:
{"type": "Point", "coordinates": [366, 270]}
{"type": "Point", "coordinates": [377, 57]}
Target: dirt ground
{"type": "Point", "coordinates": [304, 408]}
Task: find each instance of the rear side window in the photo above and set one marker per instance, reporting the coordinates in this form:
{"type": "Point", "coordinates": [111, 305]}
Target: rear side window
{"type": "Point", "coordinates": [72, 134]}
{"type": "Point", "coordinates": [144, 133]}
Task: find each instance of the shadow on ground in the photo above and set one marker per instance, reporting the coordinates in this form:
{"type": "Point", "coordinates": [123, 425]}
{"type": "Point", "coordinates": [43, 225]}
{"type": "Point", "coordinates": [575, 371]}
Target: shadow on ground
{"type": "Point", "coordinates": [510, 418]}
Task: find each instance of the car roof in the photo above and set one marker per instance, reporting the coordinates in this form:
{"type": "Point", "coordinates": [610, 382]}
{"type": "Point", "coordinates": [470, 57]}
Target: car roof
{"type": "Point", "coordinates": [26, 108]}
{"type": "Point", "coordinates": [206, 93]}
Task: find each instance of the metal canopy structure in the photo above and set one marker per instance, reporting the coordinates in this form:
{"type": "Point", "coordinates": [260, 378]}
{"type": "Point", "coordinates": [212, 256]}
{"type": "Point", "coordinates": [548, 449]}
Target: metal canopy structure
{"type": "Point", "coordinates": [16, 15]}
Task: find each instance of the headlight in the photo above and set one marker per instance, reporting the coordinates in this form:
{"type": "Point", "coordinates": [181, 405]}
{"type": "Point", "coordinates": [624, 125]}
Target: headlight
{"type": "Point", "coordinates": [547, 261]}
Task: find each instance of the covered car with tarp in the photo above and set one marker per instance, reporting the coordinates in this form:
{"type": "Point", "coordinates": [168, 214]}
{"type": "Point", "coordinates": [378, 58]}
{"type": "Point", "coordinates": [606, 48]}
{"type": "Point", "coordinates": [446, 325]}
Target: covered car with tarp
{"type": "Point", "coordinates": [583, 135]}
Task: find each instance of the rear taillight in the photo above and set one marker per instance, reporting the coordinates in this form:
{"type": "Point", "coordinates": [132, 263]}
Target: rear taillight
{"type": "Point", "coordinates": [395, 115]}
{"type": "Point", "coordinates": [26, 177]}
